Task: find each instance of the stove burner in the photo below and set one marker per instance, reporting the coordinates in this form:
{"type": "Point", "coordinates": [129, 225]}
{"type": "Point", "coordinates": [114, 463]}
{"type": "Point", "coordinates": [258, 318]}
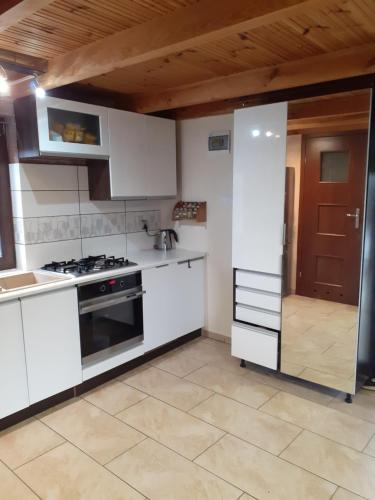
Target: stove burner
{"type": "Point", "coordinates": [88, 265]}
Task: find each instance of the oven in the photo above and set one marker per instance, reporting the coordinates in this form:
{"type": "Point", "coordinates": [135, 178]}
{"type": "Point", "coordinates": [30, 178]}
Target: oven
{"type": "Point", "coordinates": [110, 316]}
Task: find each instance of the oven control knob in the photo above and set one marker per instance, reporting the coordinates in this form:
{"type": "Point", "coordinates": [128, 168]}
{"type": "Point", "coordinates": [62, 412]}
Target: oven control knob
{"type": "Point", "coordinates": [122, 284]}
{"type": "Point", "coordinates": [102, 288]}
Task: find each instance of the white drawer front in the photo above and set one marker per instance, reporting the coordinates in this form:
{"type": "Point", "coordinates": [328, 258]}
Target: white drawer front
{"type": "Point", "coordinates": [255, 346]}
{"type": "Point", "coordinates": [257, 317]}
{"type": "Point", "coordinates": [260, 281]}
{"type": "Point", "coordinates": [254, 298]}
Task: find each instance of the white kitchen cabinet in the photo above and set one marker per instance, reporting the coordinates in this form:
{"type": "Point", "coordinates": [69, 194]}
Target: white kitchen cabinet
{"type": "Point", "coordinates": [174, 301]}
{"type": "Point", "coordinates": [259, 158]}
{"type": "Point", "coordinates": [142, 160]}
{"type": "Point", "coordinates": [65, 126]}
{"type": "Point", "coordinates": [13, 378]}
{"type": "Point", "coordinates": [52, 343]}
{"type": "Point", "coordinates": [255, 345]}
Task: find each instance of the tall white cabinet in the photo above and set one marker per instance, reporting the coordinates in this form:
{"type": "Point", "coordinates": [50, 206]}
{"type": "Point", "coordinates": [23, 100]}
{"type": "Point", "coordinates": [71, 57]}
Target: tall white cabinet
{"type": "Point", "coordinates": [259, 154]}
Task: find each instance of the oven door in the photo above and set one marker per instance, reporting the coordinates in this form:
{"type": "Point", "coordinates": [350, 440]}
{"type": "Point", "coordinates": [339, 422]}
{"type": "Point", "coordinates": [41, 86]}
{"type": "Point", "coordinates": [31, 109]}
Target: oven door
{"type": "Point", "coordinates": [110, 324]}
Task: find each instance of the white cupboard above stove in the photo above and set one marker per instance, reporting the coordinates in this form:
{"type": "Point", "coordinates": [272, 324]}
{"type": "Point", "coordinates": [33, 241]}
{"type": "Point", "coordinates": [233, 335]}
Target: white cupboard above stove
{"type": "Point", "coordinates": [52, 345]}
{"type": "Point", "coordinates": [142, 159]}
{"type": "Point", "coordinates": [13, 381]}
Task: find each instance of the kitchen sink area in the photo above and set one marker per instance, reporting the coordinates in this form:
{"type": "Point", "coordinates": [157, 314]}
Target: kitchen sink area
{"type": "Point", "coordinates": [25, 280]}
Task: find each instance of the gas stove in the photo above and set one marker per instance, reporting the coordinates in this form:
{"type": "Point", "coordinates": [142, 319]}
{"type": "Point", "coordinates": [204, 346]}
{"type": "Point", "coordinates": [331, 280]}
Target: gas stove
{"type": "Point", "coordinates": [88, 265]}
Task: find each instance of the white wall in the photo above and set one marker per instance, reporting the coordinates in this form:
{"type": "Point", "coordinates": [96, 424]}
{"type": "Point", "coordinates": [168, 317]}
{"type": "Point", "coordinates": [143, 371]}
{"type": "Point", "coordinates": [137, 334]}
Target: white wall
{"type": "Point", "coordinates": [207, 176]}
{"type": "Point", "coordinates": [293, 159]}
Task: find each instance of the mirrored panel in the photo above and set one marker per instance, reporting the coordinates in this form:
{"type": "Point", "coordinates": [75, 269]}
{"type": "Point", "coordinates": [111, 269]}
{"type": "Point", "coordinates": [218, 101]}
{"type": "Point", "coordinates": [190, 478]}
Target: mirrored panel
{"type": "Point", "coordinates": [324, 203]}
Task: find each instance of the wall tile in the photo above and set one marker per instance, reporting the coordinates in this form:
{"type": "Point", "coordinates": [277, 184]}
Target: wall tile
{"type": "Point", "coordinates": [37, 177]}
{"type": "Point", "coordinates": [110, 245]}
{"type": "Point", "coordinates": [35, 256]}
{"type": "Point", "coordinates": [102, 224]}
{"type": "Point", "coordinates": [45, 229]}
{"type": "Point", "coordinates": [44, 203]}
{"type": "Point", "coordinates": [19, 231]}
{"type": "Point", "coordinates": [134, 221]}
{"type": "Point", "coordinates": [88, 206]}
{"type": "Point", "coordinates": [137, 242]}
{"type": "Point", "coordinates": [142, 205]}
{"type": "Point", "coordinates": [83, 180]}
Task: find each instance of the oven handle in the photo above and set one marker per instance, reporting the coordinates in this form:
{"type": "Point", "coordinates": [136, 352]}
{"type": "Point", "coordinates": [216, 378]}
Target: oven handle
{"type": "Point", "coordinates": [111, 302]}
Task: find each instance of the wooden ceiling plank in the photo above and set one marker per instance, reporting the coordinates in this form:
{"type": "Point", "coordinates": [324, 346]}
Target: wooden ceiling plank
{"type": "Point", "coordinates": [187, 27]}
{"type": "Point", "coordinates": [22, 63]}
{"type": "Point", "coordinates": [18, 11]}
{"type": "Point", "coordinates": [346, 105]}
{"type": "Point", "coordinates": [326, 67]}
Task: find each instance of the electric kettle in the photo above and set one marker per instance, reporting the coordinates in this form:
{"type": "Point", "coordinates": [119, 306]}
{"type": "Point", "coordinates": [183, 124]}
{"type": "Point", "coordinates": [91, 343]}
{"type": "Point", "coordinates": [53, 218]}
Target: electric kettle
{"type": "Point", "coordinates": [165, 239]}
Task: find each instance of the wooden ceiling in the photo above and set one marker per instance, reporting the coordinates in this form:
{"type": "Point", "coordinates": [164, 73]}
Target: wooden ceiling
{"type": "Point", "coordinates": [179, 54]}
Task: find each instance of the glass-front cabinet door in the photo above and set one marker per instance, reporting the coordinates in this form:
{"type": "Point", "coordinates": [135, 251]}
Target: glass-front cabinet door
{"type": "Point", "coordinates": [72, 128]}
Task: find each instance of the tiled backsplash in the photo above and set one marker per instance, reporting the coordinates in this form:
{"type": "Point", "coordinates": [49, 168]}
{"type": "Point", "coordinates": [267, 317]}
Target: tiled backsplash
{"type": "Point", "coordinates": [54, 219]}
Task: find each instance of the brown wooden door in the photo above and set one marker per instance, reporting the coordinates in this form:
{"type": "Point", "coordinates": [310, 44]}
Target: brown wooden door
{"type": "Point", "coordinates": [329, 245]}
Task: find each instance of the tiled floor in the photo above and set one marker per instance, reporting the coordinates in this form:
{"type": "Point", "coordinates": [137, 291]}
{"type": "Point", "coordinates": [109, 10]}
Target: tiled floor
{"type": "Point", "coordinates": [194, 425]}
{"type": "Point", "coordinates": [319, 341]}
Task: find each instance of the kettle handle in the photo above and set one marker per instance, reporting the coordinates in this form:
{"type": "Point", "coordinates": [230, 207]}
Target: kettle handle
{"type": "Point", "coordinates": [172, 231]}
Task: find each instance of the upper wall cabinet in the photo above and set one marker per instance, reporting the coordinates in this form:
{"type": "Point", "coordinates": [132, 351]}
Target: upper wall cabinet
{"type": "Point", "coordinates": [258, 187]}
{"type": "Point", "coordinates": [58, 127]}
{"type": "Point", "coordinates": [142, 162]}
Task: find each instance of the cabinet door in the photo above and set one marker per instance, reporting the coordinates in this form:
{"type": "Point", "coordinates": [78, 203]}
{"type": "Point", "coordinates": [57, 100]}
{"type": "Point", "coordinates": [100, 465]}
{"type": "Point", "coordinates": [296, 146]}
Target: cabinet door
{"type": "Point", "coordinates": [13, 380]}
{"type": "Point", "coordinates": [52, 344]}
{"type": "Point", "coordinates": [258, 187]}
{"type": "Point", "coordinates": [190, 288]}
{"type": "Point", "coordinates": [127, 133]}
{"type": "Point", "coordinates": [174, 302]}
{"type": "Point", "coordinates": [160, 318]}
{"type": "Point", "coordinates": [161, 157]}
{"type": "Point", "coordinates": [72, 128]}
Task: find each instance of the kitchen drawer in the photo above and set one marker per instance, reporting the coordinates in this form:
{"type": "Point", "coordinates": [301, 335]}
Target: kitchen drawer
{"type": "Point", "coordinates": [255, 345]}
{"type": "Point", "coordinates": [255, 298]}
{"type": "Point", "coordinates": [261, 317]}
{"type": "Point", "coordinates": [259, 281]}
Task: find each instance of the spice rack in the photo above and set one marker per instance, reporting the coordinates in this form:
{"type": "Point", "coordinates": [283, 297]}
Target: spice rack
{"type": "Point", "coordinates": [190, 210]}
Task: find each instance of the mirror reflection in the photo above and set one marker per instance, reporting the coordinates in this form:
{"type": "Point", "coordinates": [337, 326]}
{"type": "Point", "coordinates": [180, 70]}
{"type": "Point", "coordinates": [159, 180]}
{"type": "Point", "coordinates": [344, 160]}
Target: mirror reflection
{"type": "Point", "coordinates": [324, 203]}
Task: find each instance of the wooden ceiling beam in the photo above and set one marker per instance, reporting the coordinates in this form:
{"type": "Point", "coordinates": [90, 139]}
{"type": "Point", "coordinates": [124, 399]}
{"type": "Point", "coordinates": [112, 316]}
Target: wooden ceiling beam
{"type": "Point", "coordinates": [354, 122]}
{"type": "Point", "coordinates": [336, 65]}
{"type": "Point", "coordinates": [13, 11]}
{"type": "Point", "coordinates": [335, 106]}
{"type": "Point", "coordinates": [187, 27]}
{"type": "Point", "coordinates": [22, 63]}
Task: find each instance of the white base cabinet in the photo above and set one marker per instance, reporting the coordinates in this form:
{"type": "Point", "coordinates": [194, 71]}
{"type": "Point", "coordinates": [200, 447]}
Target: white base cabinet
{"type": "Point", "coordinates": [13, 378]}
{"type": "Point", "coordinates": [174, 301]}
{"type": "Point", "coordinates": [52, 342]}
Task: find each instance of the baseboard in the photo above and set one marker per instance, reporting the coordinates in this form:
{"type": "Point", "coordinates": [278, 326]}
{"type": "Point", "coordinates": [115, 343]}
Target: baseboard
{"type": "Point", "coordinates": [216, 336]}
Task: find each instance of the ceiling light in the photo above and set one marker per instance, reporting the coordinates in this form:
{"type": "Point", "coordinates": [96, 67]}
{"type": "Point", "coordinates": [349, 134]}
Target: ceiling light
{"type": "Point", "coordinates": [4, 85]}
{"type": "Point", "coordinates": [269, 133]}
{"type": "Point", "coordinates": [255, 132]}
{"type": "Point", "coordinates": [39, 91]}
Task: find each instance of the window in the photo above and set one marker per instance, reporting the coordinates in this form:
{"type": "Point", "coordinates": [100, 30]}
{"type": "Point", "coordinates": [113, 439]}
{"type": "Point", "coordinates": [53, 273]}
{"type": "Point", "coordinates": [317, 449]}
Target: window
{"type": "Point", "coordinates": [334, 166]}
{"type": "Point", "coordinates": [7, 254]}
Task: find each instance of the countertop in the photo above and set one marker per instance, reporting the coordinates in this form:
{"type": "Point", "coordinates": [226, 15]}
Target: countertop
{"type": "Point", "coordinates": [145, 259]}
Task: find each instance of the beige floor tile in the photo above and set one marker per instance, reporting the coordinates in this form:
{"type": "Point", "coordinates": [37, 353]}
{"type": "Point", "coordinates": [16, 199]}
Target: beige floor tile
{"type": "Point", "coordinates": [345, 495]}
{"type": "Point", "coordinates": [370, 448]}
{"type": "Point", "coordinates": [245, 496]}
{"type": "Point", "coordinates": [322, 420]}
{"type": "Point", "coordinates": [292, 369]}
{"type": "Point", "coordinates": [261, 474]}
{"type": "Point", "coordinates": [334, 462]}
{"type": "Point", "coordinates": [95, 432]}
{"type": "Point", "coordinates": [299, 388]}
{"type": "Point", "coordinates": [25, 441]}
{"type": "Point", "coordinates": [229, 363]}
{"type": "Point", "coordinates": [66, 473]}
{"type": "Point", "coordinates": [169, 388]}
{"type": "Point", "coordinates": [114, 397]}
{"type": "Point", "coordinates": [173, 428]}
{"type": "Point", "coordinates": [363, 405]}
{"type": "Point", "coordinates": [178, 363]}
{"type": "Point", "coordinates": [269, 433]}
{"type": "Point", "coordinates": [234, 386]}
{"type": "Point", "coordinates": [12, 488]}
{"type": "Point", "coordinates": [207, 352]}
{"type": "Point", "coordinates": [341, 383]}
{"type": "Point", "coordinates": [161, 474]}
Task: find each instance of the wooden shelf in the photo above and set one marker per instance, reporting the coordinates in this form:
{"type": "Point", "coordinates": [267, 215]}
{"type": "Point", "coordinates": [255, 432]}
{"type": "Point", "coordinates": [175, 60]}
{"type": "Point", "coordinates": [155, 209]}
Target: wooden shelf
{"type": "Point", "coordinates": [190, 210]}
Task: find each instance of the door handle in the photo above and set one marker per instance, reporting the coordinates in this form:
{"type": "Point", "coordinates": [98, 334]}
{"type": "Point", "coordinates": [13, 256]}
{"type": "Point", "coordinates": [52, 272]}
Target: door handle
{"type": "Point", "coordinates": [356, 217]}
